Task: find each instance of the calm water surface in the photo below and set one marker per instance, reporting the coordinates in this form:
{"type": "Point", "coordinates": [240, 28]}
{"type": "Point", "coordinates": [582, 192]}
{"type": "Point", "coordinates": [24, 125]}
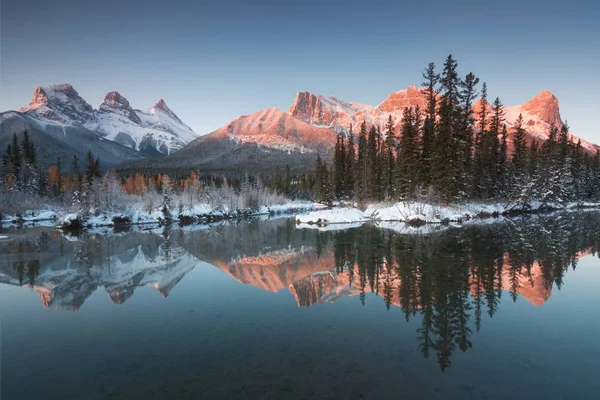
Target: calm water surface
{"type": "Point", "coordinates": [262, 309]}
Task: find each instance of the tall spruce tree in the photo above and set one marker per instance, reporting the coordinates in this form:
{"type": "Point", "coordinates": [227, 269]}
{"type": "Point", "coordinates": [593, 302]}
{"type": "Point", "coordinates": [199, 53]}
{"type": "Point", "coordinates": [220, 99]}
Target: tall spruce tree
{"type": "Point", "coordinates": [362, 165]}
{"type": "Point", "coordinates": [16, 157]}
{"type": "Point", "coordinates": [371, 161]}
{"type": "Point", "coordinates": [520, 190]}
{"type": "Point", "coordinates": [388, 155]}
{"type": "Point", "coordinates": [447, 160]}
{"type": "Point", "coordinates": [408, 154]}
{"type": "Point", "coordinates": [339, 167]}
{"type": "Point", "coordinates": [431, 79]}
{"type": "Point", "coordinates": [495, 160]}
{"type": "Point", "coordinates": [350, 165]}
{"type": "Point", "coordinates": [480, 177]}
{"type": "Point", "coordinates": [468, 93]}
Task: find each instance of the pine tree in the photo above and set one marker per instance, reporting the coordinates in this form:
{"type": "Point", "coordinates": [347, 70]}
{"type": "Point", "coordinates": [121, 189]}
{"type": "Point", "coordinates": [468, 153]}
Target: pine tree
{"type": "Point", "coordinates": [495, 164]}
{"type": "Point", "coordinates": [519, 158]}
{"type": "Point", "coordinates": [408, 154]}
{"type": "Point", "coordinates": [431, 79]}
{"type": "Point", "coordinates": [519, 185]}
{"type": "Point", "coordinates": [339, 167]}
{"type": "Point", "coordinates": [350, 168]}
{"type": "Point", "coordinates": [90, 168]}
{"type": "Point", "coordinates": [447, 162]}
{"type": "Point", "coordinates": [389, 160]}
{"type": "Point", "coordinates": [549, 177]}
{"type": "Point", "coordinates": [502, 167]}
{"type": "Point", "coordinates": [467, 95]}
{"type": "Point", "coordinates": [371, 165]}
{"type": "Point", "coordinates": [29, 153]}
{"type": "Point", "coordinates": [76, 173]}
{"type": "Point", "coordinates": [15, 160]}
{"type": "Point", "coordinates": [362, 165]}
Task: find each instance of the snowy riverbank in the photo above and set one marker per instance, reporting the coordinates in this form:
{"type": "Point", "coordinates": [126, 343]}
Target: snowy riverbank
{"type": "Point", "coordinates": [417, 214]}
{"type": "Point", "coordinates": [402, 215]}
{"type": "Point", "coordinates": [199, 213]}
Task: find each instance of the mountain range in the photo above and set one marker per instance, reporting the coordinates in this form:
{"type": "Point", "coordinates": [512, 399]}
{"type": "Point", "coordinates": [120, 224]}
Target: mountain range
{"type": "Point", "coordinates": [66, 124]}
{"type": "Point", "coordinates": [62, 124]}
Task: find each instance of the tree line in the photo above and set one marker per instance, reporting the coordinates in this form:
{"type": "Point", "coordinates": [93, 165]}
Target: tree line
{"type": "Point", "coordinates": [447, 152]}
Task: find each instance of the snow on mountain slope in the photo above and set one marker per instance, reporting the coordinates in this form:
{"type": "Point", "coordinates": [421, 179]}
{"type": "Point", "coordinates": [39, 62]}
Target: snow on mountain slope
{"type": "Point", "coordinates": [338, 115]}
{"type": "Point", "coordinates": [538, 113]}
{"type": "Point", "coordinates": [157, 130]}
{"type": "Point", "coordinates": [273, 128]}
{"type": "Point", "coordinates": [59, 104]}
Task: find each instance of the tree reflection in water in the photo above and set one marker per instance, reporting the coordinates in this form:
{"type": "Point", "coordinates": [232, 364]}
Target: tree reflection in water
{"type": "Point", "coordinates": [448, 280]}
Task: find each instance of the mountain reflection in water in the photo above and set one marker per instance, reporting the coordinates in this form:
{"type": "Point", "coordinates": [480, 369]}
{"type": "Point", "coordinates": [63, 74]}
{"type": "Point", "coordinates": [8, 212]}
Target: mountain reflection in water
{"type": "Point", "coordinates": [450, 279]}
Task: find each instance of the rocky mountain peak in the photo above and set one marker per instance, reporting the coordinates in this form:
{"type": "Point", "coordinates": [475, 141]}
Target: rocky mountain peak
{"type": "Point", "coordinates": [114, 102]}
{"type": "Point", "coordinates": [545, 106]}
{"type": "Point", "coordinates": [409, 97]}
{"type": "Point", "coordinates": [162, 105]}
{"type": "Point", "coordinates": [59, 103]}
{"type": "Point", "coordinates": [39, 97]}
{"type": "Point", "coordinates": [63, 94]}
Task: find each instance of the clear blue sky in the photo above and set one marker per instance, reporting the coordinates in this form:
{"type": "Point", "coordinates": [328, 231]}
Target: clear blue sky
{"type": "Point", "coordinates": [214, 62]}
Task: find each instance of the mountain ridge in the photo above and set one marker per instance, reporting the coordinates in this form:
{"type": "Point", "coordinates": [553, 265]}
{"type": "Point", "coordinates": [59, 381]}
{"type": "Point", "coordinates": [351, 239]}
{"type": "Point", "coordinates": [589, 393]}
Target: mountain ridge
{"type": "Point", "coordinates": [53, 108]}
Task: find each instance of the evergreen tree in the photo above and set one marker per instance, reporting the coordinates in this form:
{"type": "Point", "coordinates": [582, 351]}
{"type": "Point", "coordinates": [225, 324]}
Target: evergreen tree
{"type": "Point", "coordinates": [76, 173]}
{"type": "Point", "coordinates": [389, 162]}
{"type": "Point", "coordinates": [15, 160]}
{"type": "Point", "coordinates": [339, 165]}
{"type": "Point", "coordinates": [90, 168]}
{"type": "Point", "coordinates": [468, 93]}
{"type": "Point", "coordinates": [519, 184]}
{"type": "Point", "coordinates": [361, 176]}
{"type": "Point", "coordinates": [495, 160]}
{"type": "Point", "coordinates": [480, 178]}
{"type": "Point", "coordinates": [371, 165]}
{"type": "Point", "coordinates": [350, 167]}
{"type": "Point", "coordinates": [519, 158]}
{"type": "Point", "coordinates": [447, 162]}
{"type": "Point", "coordinates": [29, 153]}
{"type": "Point", "coordinates": [408, 154]}
{"type": "Point", "coordinates": [502, 167]}
{"type": "Point", "coordinates": [431, 79]}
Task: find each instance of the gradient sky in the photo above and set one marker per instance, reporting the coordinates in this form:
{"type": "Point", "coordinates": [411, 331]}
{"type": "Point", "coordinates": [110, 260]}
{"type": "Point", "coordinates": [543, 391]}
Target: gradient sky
{"type": "Point", "coordinates": [213, 61]}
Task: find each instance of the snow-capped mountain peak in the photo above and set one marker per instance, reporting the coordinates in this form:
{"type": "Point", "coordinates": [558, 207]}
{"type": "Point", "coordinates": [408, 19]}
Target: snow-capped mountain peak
{"type": "Point", "coordinates": [158, 130]}
{"type": "Point", "coordinates": [114, 102]}
{"type": "Point", "coordinates": [161, 106]}
{"type": "Point", "coordinates": [60, 104]}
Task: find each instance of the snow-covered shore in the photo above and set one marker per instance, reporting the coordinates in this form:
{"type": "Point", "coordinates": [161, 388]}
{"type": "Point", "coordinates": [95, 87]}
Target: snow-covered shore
{"type": "Point", "coordinates": [307, 214]}
{"type": "Point", "coordinates": [417, 214]}
{"type": "Point", "coordinates": [199, 213]}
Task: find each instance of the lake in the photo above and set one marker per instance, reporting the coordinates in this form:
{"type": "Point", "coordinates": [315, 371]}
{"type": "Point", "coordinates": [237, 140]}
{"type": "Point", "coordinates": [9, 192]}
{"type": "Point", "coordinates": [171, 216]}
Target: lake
{"type": "Point", "coordinates": [261, 309]}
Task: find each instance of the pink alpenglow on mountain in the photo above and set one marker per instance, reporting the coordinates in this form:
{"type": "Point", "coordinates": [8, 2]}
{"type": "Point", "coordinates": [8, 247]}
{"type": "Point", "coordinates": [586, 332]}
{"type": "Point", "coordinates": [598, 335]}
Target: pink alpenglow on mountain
{"type": "Point", "coordinates": [273, 128]}
{"type": "Point", "coordinates": [538, 113]}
